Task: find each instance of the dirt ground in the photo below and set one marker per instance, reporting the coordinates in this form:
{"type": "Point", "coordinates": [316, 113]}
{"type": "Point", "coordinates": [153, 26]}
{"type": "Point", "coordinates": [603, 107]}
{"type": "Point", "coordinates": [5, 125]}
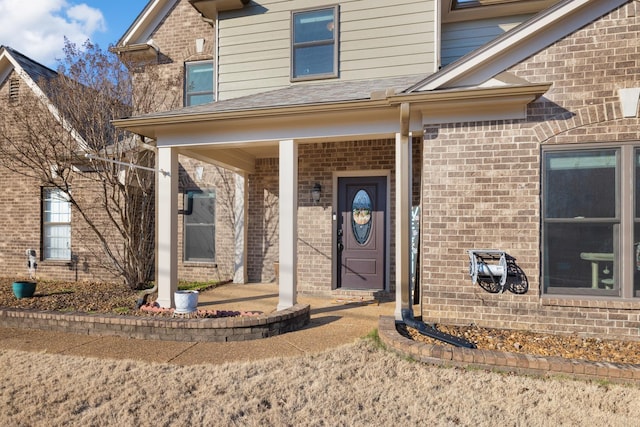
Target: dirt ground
{"type": "Point", "coordinates": [110, 298]}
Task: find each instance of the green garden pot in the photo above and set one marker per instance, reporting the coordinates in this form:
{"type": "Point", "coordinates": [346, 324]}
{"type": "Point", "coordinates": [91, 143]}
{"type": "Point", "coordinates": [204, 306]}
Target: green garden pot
{"type": "Point", "coordinates": [24, 289]}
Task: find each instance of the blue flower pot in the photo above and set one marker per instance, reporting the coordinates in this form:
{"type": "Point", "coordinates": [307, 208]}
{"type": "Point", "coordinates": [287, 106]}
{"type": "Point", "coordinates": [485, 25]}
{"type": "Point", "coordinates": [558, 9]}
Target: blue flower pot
{"type": "Point", "coordinates": [24, 289]}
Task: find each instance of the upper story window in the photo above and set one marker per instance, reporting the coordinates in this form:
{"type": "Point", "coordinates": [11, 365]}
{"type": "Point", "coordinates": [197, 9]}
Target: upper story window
{"type": "Point", "coordinates": [198, 83]}
{"type": "Point", "coordinates": [314, 46]}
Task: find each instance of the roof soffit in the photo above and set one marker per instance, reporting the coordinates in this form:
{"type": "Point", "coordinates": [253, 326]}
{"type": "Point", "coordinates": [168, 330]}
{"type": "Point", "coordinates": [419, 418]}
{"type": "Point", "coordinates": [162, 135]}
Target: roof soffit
{"type": "Point", "coordinates": [210, 8]}
{"type": "Point", "coordinates": [518, 44]}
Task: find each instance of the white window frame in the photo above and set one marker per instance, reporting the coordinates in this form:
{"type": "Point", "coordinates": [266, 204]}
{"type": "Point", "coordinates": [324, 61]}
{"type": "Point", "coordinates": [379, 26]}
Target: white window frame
{"type": "Point", "coordinates": [310, 44]}
{"type": "Point", "coordinates": [56, 219]}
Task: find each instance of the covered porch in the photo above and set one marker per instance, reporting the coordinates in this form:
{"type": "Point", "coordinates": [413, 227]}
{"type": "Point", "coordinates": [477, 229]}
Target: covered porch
{"type": "Point", "coordinates": [250, 147]}
{"type": "Point", "coordinates": [269, 131]}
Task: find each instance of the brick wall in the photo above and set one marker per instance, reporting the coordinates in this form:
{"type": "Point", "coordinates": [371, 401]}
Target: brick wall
{"type": "Point", "coordinates": [175, 36]}
{"type": "Point", "coordinates": [317, 164]}
{"type": "Point", "coordinates": [482, 185]}
{"type": "Point", "coordinates": [223, 182]}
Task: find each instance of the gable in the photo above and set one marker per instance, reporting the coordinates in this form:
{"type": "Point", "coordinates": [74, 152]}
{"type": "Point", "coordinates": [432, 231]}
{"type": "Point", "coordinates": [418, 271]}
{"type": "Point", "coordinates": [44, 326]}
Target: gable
{"type": "Point", "coordinates": [518, 44]}
{"type": "Point", "coordinates": [147, 21]}
{"type": "Point", "coordinates": [13, 63]}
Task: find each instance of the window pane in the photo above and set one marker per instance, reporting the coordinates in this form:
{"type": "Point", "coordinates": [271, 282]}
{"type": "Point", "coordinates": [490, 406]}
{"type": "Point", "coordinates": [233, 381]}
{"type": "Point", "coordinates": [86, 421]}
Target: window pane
{"type": "Point", "coordinates": [56, 206]}
{"type": "Point", "coordinates": [57, 242]}
{"type": "Point", "coordinates": [199, 243]}
{"type": "Point", "coordinates": [580, 185]}
{"type": "Point", "coordinates": [313, 60]}
{"type": "Point", "coordinates": [636, 226]}
{"type": "Point", "coordinates": [198, 83]}
{"type": "Point", "coordinates": [580, 255]}
{"type": "Point", "coordinates": [199, 99]}
{"type": "Point", "coordinates": [636, 259]}
{"type": "Point", "coordinates": [199, 226]}
{"type": "Point", "coordinates": [313, 26]}
{"type": "Point", "coordinates": [56, 227]}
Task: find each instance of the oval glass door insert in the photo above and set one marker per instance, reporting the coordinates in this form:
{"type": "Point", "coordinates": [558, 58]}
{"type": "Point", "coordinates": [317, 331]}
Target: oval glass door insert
{"type": "Point", "coordinates": [361, 218]}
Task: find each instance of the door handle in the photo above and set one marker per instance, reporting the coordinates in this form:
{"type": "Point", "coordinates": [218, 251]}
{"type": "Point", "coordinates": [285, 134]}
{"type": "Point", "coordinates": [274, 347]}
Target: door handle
{"type": "Point", "coordinates": [340, 246]}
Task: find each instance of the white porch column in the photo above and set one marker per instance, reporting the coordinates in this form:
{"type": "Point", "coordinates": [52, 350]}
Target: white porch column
{"type": "Point", "coordinates": [167, 226]}
{"type": "Point", "coordinates": [403, 223]}
{"type": "Point", "coordinates": [240, 237]}
{"type": "Point", "coordinates": [288, 224]}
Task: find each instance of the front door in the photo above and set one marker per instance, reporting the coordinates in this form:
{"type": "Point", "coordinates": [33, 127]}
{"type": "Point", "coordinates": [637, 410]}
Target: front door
{"type": "Point", "coordinates": [361, 233]}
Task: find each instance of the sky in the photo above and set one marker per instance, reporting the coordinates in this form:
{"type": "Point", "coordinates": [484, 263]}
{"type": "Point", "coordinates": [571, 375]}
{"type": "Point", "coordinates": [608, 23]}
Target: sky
{"type": "Point", "coordinates": [37, 28]}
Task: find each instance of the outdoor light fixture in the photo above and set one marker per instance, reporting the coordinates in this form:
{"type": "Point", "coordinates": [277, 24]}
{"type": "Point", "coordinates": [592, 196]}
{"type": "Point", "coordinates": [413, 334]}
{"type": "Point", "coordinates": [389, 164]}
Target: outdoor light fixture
{"type": "Point", "coordinates": [315, 193]}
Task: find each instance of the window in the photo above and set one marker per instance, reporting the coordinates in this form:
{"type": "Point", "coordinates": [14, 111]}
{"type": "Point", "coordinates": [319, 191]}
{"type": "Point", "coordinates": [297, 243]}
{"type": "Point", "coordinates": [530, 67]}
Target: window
{"type": "Point", "coordinates": [198, 83]}
{"type": "Point", "coordinates": [199, 226]}
{"type": "Point", "coordinates": [314, 51]}
{"type": "Point", "coordinates": [56, 225]}
{"type": "Point", "coordinates": [589, 231]}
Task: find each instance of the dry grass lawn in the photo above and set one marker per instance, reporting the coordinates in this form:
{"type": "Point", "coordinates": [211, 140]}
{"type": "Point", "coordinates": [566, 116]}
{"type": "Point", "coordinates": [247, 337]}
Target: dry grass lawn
{"type": "Point", "coordinates": [354, 385]}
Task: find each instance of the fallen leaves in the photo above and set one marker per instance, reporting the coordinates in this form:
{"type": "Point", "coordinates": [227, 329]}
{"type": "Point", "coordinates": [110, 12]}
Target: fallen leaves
{"type": "Point", "coordinates": [540, 344]}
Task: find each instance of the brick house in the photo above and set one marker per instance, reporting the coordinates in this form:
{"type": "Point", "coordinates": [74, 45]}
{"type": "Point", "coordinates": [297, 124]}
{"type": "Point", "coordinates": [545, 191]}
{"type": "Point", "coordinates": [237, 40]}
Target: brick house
{"type": "Point", "coordinates": [509, 124]}
{"type": "Point", "coordinates": [515, 125]}
{"type": "Point", "coordinates": [36, 216]}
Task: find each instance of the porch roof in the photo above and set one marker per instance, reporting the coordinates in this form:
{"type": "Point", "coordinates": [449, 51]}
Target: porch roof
{"type": "Point", "coordinates": [296, 95]}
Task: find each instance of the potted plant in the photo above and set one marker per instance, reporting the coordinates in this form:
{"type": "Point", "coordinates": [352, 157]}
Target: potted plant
{"type": "Point", "coordinates": [186, 301]}
{"type": "Point", "coordinates": [26, 288]}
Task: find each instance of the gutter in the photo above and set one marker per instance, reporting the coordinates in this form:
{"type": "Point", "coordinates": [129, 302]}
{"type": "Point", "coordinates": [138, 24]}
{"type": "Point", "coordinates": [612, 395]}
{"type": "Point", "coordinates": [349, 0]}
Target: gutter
{"type": "Point", "coordinates": [389, 101]}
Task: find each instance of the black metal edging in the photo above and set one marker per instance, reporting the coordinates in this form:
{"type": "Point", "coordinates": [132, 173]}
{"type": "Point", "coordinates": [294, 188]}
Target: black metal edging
{"type": "Point", "coordinates": [432, 332]}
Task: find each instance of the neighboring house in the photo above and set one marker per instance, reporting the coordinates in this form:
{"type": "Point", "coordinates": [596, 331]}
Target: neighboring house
{"type": "Point", "coordinates": [338, 117]}
{"type": "Point", "coordinates": [36, 216]}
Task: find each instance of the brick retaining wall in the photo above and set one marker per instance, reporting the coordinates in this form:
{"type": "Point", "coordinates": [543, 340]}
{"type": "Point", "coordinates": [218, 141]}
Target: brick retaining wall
{"type": "Point", "coordinates": [161, 328]}
{"type": "Point", "coordinates": [502, 361]}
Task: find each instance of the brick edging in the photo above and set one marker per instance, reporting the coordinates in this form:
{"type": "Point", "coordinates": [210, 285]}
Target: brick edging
{"type": "Point", "coordinates": [161, 328]}
{"type": "Point", "coordinates": [498, 360]}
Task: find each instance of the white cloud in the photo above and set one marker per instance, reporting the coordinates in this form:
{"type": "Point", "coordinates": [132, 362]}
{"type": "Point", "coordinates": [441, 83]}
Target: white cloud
{"type": "Point", "coordinates": [37, 27]}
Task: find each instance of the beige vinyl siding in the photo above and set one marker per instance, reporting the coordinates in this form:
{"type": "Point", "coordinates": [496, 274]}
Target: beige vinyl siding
{"type": "Point", "coordinates": [377, 39]}
{"type": "Point", "coordinates": [460, 38]}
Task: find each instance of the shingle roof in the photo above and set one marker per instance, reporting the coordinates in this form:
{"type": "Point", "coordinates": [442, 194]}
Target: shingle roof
{"type": "Point", "coordinates": [34, 69]}
{"type": "Point", "coordinates": [296, 95]}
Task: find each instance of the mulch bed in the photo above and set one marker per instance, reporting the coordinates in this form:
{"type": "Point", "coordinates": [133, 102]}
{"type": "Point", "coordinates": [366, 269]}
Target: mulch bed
{"type": "Point", "coordinates": [87, 297]}
{"type": "Point", "coordinates": [539, 344]}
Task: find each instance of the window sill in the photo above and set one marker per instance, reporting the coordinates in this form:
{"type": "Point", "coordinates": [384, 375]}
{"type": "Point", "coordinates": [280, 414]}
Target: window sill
{"type": "Point", "coordinates": [210, 264]}
{"type": "Point", "coordinates": [590, 302]}
{"type": "Point", "coordinates": [313, 77]}
{"type": "Point", "coordinates": [54, 262]}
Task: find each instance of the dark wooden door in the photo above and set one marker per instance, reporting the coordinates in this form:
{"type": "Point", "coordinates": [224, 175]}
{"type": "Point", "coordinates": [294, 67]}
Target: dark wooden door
{"type": "Point", "coordinates": [361, 232]}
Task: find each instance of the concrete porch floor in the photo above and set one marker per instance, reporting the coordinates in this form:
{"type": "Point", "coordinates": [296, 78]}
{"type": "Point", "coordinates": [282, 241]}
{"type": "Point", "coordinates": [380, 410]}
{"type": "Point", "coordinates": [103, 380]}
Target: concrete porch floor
{"type": "Point", "coordinates": [335, 321]}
